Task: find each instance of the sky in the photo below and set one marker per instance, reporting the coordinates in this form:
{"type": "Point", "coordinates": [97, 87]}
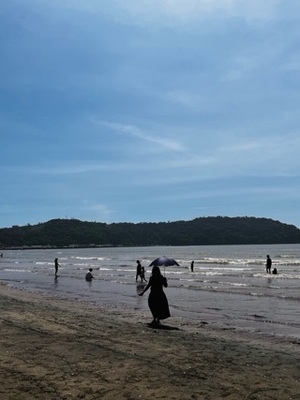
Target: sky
{"type": "Point", "coordinates": [149, 110]}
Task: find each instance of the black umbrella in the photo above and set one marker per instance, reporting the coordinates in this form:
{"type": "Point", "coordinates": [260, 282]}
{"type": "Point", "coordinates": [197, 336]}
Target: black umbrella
{"type": "Point", "coordinates": [165, 261]}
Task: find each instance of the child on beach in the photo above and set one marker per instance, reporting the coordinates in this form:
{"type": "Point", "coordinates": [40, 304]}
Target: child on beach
{"type": "Point", "coordinates": [89, 277]}
{"type": "Point", "coordinates": [140, 271]}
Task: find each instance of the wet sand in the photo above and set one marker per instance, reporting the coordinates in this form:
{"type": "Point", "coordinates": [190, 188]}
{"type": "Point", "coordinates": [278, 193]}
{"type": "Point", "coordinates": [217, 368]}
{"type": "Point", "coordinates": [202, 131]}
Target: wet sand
{"type": "Point", "coordinates": [58, 349]}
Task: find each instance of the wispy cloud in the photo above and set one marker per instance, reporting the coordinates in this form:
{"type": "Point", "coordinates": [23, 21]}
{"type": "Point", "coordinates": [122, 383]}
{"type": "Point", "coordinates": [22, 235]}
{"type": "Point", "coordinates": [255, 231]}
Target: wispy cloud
{"type": "Point", "coordinates": [133, 131]}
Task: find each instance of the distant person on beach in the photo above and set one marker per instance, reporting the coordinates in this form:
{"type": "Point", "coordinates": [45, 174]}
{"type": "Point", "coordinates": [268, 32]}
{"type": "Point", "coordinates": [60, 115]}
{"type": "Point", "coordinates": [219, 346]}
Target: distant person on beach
{"type": "Point", "coordinates": [56, 265]}
{"type": "Point", "coordinates": [138, 271]}
{"type": "Point", "coordinates": [157, 300]}
{"type": "Point", "coordinates": [192, 266]}
{"type": "Point", "coordinates": [268, 264]}
{"type": "Point", "coordinates": [1, 255]}
{"type": "Point", "coordinates": [274, 272]}
{"type": "Point", "coordinates": [89, 277]}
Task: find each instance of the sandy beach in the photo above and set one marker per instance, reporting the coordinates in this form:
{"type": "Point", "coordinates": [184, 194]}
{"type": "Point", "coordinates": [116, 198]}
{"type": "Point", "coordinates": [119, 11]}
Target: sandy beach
{"type": "Point", "coordinates": [59, 349]}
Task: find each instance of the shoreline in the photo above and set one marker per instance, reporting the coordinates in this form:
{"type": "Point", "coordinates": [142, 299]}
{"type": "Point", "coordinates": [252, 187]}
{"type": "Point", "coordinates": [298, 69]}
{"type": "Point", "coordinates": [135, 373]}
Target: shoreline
{"type": "Point", "coordinates": [53, 348]}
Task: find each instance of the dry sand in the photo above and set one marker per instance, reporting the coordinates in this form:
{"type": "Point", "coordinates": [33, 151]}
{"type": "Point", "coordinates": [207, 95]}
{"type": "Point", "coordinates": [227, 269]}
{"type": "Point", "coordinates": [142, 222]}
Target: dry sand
{"type": "Point", "coordinates": [60, 349]}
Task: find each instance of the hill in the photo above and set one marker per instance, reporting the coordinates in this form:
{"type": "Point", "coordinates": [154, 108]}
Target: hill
{"type": "Point", "coordinates": [200, 231]}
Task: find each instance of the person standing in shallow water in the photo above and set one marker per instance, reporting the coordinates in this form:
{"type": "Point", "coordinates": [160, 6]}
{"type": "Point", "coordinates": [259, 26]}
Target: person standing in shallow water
{"type": "Point", "coordinates": [139, 271]}
{"type": "Point", "coordinates": [268, 264]}
{"type": "Point", "coordinates": [56, 265]}
{"type": "Point", "coordinates": [157, 300]}
{"type": "Point", "coordinates": [192, 266]}
{"type": "Point", "coordinates": [89, 276]}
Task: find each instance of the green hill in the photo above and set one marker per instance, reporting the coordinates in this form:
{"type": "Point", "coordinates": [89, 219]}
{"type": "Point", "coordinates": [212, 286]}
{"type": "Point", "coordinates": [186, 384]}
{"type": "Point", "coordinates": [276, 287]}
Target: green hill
{"type": "Point", "coordinates": [200, 231]}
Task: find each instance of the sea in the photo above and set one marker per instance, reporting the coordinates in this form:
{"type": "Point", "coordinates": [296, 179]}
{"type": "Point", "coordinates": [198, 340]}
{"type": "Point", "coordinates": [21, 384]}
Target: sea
{"type": "Point", "coordinates": [229, 288]}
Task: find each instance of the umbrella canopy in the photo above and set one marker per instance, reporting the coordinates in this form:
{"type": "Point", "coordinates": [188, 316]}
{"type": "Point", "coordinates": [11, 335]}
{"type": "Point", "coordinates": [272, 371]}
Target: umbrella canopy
{"type": "Point", "coordinates": [165, 261]}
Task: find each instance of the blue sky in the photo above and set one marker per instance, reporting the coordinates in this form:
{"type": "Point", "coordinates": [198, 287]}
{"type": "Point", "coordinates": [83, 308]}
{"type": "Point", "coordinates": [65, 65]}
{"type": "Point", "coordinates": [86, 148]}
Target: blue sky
{"type": "Point", "coordinates": [139, 110]}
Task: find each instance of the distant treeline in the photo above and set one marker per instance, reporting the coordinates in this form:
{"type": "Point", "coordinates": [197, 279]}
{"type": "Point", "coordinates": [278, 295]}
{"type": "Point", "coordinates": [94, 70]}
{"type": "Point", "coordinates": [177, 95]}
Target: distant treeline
{"type": "Point", "coordinates": [200, 231]}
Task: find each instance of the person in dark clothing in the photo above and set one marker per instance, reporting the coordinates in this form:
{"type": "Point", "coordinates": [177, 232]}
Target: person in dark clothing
{"type": "Point", "coordinates": [157, 300]}
{"type": "Point", "coordinates": [139, 272]}
{"type": "Point", "coordinates": [268, 264]}
{"type": "Point", "coordinates": [56, 265]}
{"type": "Point", "coordinates": [192, 266]}
{"type": "Point", "coordinates": [89, 277]}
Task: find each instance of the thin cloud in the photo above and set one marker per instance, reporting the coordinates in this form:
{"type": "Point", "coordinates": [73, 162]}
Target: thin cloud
{"type": "Point", "coordinates": [136, 132]}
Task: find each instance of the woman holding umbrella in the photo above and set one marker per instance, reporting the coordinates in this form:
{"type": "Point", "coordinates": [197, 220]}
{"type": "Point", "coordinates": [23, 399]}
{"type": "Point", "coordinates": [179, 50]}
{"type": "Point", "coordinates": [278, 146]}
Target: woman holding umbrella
{"type": "Point", "coordinates": [157, 300]}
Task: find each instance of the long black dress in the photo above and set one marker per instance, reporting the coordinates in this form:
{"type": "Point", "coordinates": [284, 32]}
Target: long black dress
{"type": "Point", "coordinates": [157, 300]}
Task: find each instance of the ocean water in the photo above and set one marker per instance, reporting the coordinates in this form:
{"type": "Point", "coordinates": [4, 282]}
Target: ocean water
{"type": "Point", "coordinates": [229, 287]}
